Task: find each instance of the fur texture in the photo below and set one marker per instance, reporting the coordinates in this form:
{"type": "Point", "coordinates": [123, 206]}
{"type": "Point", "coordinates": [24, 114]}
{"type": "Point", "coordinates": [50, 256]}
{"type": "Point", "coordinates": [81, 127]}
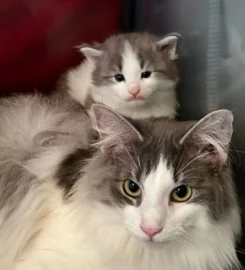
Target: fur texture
{"type": "Point", "coordinates": [91, 223]}
{"type": "Point", "coordinates": [135, 74]}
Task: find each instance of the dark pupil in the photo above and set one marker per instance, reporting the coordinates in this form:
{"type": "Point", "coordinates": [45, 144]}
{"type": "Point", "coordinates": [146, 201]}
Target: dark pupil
{"type": "Point", "coordinates": [133, 186]}
{"type": "Point", "coordinates": [119, 77]}
{"type": "Point", "coordinates": [181, 191]}
{"type": "Point", "coordinates": [146, 74]}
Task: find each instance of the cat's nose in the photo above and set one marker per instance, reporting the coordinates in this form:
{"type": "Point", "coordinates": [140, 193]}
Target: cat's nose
{"type": "Point", "coordinates": [133, 89]}
{"type": "Point", "coordinates": [150, 231]}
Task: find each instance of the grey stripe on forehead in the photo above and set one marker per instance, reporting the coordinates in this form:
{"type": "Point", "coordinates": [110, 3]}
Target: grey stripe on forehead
{"type": "Point", "coordinates": [149, 158]}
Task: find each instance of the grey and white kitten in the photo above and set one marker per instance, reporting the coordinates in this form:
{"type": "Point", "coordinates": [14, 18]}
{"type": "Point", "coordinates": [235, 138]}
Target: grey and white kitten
{"type": "Point", "coordinates": [134, 74]}
{"type": "Point", "coordinates": [157, 195]}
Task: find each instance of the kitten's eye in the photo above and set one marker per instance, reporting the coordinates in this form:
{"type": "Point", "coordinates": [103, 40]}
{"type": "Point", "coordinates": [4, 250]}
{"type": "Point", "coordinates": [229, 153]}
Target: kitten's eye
{"type": "Point", "coordinates": [145, 75]}
{"type": "Point", "coordinates": [131, 188]}
{"type": "Point", "coordinates": [181, 194]}
{"type": "Point", "coordinates": [119, 78]}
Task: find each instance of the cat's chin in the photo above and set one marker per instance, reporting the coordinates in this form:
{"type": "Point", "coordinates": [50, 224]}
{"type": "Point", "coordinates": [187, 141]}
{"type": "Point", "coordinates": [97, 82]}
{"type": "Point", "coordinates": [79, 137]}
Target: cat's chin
{"type": "Point", "coordinates": [135, 102]}
{"type": "Point", "coordinates": [155, 244]}
{"type": "Point", "coordinates": [158, 241]}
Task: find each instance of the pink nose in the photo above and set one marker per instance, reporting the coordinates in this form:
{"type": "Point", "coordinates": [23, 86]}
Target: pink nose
{"type": "Point", "coordinates": [150, 231]}
{"type": "Point", "coordinates": [133, 89]}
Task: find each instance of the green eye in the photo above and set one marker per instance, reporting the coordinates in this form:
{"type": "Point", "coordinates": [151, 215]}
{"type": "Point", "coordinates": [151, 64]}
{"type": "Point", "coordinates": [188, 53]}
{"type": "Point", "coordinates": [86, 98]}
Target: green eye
{"type": "Point", "coordinates": [131, 188]}
{"type": "Point", "coordinates": [181, 194]}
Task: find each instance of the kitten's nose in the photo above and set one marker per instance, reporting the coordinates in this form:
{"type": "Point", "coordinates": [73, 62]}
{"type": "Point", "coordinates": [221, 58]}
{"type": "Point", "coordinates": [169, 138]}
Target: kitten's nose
{"type": "Point", "coordinates": [150, 231]}
{"type": "Point", "coordinates": [133, 89]}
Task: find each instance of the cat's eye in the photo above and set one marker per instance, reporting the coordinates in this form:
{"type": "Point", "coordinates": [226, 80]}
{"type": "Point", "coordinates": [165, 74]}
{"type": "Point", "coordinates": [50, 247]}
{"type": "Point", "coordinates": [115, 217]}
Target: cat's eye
{"type": "Point", "coordinates": [131, 188]}
{"type": "Point", "coordinates": [119, 78]}
{"type": "Point", "coordinates": [181, 194]}
{"type": "Point", "coordinates": [145, 74]}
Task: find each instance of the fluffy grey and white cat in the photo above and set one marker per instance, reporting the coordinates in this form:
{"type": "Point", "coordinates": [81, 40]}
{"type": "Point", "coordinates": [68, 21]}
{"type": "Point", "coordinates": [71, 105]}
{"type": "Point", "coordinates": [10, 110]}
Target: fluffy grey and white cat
{"type": "Point", "coordinates": [135, 74]}
{"type": "Point", "coordinates": [153, 196]}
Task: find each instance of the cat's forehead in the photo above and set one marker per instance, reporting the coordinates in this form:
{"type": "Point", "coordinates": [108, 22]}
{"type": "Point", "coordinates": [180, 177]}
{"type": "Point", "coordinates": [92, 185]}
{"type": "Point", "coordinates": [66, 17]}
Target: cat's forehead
{"type": "Point", "coordinates": [162, 143]}
{"type": "Point", "coordinates": [121, 50]}
{"type": "Point", "coordinates": [156, 150]}
{"type": "Point", "coordinates": [136, 40]}
{"type": "Point", "coordinates": [141, 47]}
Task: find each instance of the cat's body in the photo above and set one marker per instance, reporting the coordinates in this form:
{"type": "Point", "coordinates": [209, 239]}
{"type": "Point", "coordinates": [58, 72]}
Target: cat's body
{"type": "Point", "coordinates": [72, 212]}
{"type": "Point", "coordinates": [134, 74]}
{"type": "Point", "coordinates": [32, 126]}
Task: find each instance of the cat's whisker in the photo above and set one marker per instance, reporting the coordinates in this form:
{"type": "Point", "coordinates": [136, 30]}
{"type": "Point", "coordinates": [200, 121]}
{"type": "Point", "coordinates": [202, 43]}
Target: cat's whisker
{"type": "Point", "coordinates": [188, 171]}
{"type": "Point", "coordinates": [191, 161]}
{"type": "Point", "coordinates": [179, 164]}
{"type": "Point", "coordinates": [198, 178]}
{"type": "Point", "coordinates": [181, 240]}
{"type": "Point", "coordinates": [127, 151]}
{"type": "Point", "coordinates": [137, 157]}
{"type": "Point", "coordinates": [240, 250]}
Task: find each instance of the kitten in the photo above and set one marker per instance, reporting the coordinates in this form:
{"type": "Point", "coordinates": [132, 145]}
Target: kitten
{"type": "Point", "coordinates": [157, 195]}
{"type": "Point", "coordinates": [135, 74]}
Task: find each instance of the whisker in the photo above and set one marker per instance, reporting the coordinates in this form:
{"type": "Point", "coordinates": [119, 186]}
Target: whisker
{"type": "Point", "coordinates": [192, 170]}
{"type": "Point", "coordinates": [191, 161]}
{"type": "Point", "coordinates": [241, 251]}
{"type": "Point", "coordinates": [137, 157]}
{"type": "Point", "coordinates": [186, 178]}
{"type": "Point", "coordinates": [179, 164]}
{"type": "Point", "coordinates": [127, 151]}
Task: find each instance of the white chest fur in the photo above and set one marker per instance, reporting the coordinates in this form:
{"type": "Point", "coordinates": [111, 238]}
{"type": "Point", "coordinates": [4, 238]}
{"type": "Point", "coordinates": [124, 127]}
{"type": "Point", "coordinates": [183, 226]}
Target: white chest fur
{"type": "Point", "coordinates": [86, 239]}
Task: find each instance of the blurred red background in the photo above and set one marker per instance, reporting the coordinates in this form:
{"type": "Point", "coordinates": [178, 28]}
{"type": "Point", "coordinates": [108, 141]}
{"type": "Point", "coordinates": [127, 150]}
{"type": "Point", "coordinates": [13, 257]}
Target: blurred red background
{"type": "Point", "coordinates": [38, 38]}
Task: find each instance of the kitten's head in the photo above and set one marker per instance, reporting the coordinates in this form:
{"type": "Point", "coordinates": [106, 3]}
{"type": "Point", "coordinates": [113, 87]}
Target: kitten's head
{"type": "Point", "coordinates": [169, 183]}
{"type": "Point", "coordinates": [135, 74]}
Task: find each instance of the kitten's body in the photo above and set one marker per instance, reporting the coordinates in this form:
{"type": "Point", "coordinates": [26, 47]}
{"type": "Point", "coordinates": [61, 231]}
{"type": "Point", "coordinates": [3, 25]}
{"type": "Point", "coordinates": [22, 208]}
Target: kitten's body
{"type": "Point", "coordinates": [71, 214]}
{"type": "Point", "coordinates": [129, 55]}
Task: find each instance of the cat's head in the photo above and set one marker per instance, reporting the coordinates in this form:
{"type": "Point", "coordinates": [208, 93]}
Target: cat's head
{"type": "Point", "coordinates": [170, 182]}
{"type": "Point", "coordinates": [135, 72]}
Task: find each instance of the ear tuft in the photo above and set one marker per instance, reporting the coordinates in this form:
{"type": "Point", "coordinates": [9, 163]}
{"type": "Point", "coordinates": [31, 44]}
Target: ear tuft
{"type": "Point", "coordinates": [212, 134]}
{"type": "Point", "coordinates": [116, 133]}
{"type": "Point", "coordinates": [90, 52]}
{"type": "Point", "coordinates": [169, 43]}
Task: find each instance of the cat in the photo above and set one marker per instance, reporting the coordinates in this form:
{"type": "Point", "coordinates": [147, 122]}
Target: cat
{"type": "Point", "coordinates": [150, 195]}
{"type": "Point", "coordinates": [135, 74]}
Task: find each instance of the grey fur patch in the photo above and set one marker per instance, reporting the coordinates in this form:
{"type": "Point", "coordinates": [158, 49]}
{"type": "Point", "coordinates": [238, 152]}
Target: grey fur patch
{"type": "Point", "coordinates": [71, 168]}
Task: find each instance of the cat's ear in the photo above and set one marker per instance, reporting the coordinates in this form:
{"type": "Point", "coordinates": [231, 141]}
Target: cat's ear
{"type": "Point", "coordinates": [116, 133]}
{"type": "Point", "coordinates": [211, 135]}
{"type": "Point", "coordinates": [169, 43]}
{"type": "Point", "coordinates": [90, 52]}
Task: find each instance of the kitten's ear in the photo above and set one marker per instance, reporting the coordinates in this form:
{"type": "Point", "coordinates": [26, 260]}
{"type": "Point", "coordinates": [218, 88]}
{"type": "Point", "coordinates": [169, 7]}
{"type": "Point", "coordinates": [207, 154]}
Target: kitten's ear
{"type": "Point", "coordinates": [116, 133]}
{"type": "Point", "coordinates": [90, 52]}
{"type": "Point", "coordinates": [211, 135]}
{"type": "Point", "coordinates": [169, 43]}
